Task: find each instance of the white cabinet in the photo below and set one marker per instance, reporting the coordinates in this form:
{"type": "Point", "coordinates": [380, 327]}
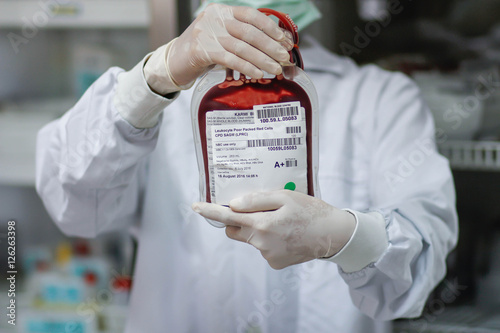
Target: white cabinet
{"type": "Point", "coordinates": [40, 14]}
{"type": "Point", "coordinates": [19, 125]}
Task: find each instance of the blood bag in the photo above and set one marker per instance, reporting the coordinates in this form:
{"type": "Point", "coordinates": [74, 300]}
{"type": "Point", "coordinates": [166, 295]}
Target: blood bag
{"type": "Point", "coordinates": [254, 135]}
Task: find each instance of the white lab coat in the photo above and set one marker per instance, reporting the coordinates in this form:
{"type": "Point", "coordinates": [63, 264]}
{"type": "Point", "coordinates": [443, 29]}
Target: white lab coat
{"type": "Point", "coordinates": [97, 173]}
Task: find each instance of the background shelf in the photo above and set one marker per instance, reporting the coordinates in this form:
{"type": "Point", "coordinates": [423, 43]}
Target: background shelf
{"type": "Point", "coordinates": [472, 155]}
{"type": "Point", "coordinates": [74, 14]}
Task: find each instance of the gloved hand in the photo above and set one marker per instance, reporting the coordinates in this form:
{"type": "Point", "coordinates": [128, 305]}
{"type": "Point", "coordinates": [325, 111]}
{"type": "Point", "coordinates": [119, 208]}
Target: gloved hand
{"type": "Point", "coordinates": [240, 38]}
{"type": "Point", "coordinates": [287, 227]}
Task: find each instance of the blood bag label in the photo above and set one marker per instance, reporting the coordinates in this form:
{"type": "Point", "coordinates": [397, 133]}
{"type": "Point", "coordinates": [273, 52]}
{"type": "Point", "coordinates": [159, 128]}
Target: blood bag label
{"type": "Point", "coordinates": [263, 149]}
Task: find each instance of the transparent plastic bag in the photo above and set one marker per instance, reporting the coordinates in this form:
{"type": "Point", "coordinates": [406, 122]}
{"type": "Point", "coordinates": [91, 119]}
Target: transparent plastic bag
{"type": "Point", "coordinates": [256, 135]}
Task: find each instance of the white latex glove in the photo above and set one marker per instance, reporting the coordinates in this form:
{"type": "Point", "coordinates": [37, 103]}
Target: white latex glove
{"type": "Point", "coordinates": [240, 38]}
{"type": "Point", "coordinates": [287, 227]}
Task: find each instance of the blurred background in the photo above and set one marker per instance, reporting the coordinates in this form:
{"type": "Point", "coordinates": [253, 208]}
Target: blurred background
{"type": "Point", "coordinates": [52, 50]}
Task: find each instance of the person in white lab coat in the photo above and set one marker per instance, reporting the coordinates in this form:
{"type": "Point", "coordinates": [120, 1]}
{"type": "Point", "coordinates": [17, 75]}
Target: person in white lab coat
{"type": "Point", "coordinates": [124, 156]}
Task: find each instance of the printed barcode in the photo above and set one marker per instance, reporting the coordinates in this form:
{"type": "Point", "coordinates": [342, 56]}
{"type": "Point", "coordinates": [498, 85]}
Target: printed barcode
{"type": "Point", "coordinates": [274, 142]}
{"type": "Point", "coordinates": [278, 112]}
{"type": "Point", "coordinates": [289, 164]}
{"type": "Point", "coordinates": [293, 130]}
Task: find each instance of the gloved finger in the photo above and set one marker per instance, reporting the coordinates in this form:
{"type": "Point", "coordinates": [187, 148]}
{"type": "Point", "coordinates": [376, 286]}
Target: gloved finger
{"type": "Point", "coordinates": [222, 214]}
{"type": "Point", "coordinates": [288, 42]}
{"type": "Point", "coordinates": [242, 234]}
{"type": "Point", "coordinates": [258, 202]}
{"type": "Point", "coordinates": [259, 20]}
{"type": "Point", "coordinates": [258, 39]}
{"type": "Point", "coordinates": [229, 60]}
{"type": "Point", "coordinates": [247, 58]}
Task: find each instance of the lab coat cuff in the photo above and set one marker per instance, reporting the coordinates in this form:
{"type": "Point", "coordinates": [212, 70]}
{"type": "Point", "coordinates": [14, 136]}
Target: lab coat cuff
{"type": "Point", "coordinates": [136, 102]}
{"type": "Point", "coordinates": [367, 244]}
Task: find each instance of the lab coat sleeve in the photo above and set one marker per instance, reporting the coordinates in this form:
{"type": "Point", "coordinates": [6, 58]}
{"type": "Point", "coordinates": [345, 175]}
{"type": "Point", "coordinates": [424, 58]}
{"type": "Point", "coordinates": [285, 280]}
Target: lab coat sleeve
{"type": "Point", "coordinates": [411, 186]}
{"type": "Point", "coordinates": [91, 163]}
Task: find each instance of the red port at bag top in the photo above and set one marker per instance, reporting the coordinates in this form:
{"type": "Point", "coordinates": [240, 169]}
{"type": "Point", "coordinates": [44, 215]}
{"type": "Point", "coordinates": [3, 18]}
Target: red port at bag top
{"type": "Point", "coordinates": [254, 135]}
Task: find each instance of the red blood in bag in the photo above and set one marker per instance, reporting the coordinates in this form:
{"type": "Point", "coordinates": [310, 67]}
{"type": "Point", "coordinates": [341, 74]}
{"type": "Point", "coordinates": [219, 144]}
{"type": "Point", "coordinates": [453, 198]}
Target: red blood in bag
{"type": "Point", "coordinates": [243, 94]}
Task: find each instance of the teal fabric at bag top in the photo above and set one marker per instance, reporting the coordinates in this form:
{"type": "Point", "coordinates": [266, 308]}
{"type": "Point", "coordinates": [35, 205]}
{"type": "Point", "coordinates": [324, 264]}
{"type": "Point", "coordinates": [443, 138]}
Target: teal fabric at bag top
{"type": "Point", "coordinates": [302, 12]}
